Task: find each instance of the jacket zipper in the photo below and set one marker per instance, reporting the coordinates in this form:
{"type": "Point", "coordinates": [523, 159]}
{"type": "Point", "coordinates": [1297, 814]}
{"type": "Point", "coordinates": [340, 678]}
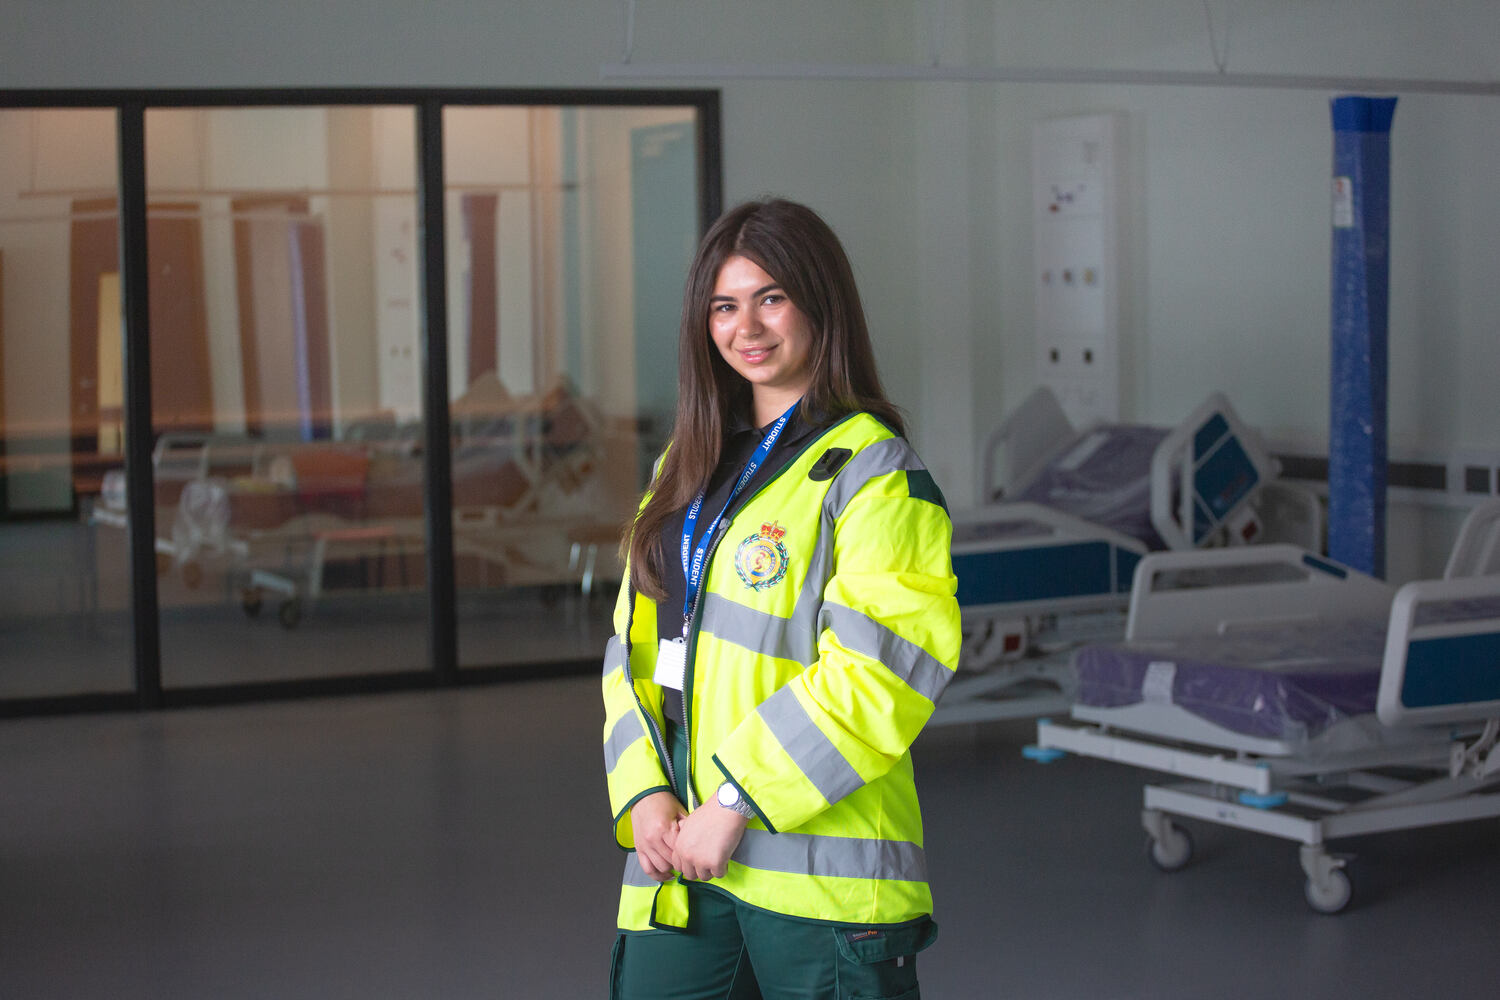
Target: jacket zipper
{"type": "Point", "coordinates": [656, 734]}
{"type": "Point", "coordinates": [692, 638]}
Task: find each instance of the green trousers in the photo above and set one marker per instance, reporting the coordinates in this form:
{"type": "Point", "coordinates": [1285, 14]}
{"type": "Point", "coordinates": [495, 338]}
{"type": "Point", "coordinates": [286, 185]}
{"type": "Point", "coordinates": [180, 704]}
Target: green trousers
{"type": "Point", "coordinates": [733, 951]}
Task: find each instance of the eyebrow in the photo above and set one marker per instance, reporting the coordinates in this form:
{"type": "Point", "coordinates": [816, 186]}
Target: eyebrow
{"type": "Point", "coordinates": [773, 286]}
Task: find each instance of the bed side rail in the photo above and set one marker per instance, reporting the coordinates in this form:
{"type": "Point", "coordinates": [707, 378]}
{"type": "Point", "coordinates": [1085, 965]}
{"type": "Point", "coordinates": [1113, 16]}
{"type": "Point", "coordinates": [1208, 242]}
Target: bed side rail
{"type": "Point", "coordinates": [1442, 653]}
{"type": "Point", "coordinates": [1476, 552]}
{"type": "Point", "coordinates": [1023, 444]}
{"type": "Point", "coordinates": [1204, 473]}
{"type": "Point", "coordinates": [1211, 592]}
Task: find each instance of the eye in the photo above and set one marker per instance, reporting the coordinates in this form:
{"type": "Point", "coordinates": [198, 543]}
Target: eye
{"type": "Point", "coordinates": [775, 298]}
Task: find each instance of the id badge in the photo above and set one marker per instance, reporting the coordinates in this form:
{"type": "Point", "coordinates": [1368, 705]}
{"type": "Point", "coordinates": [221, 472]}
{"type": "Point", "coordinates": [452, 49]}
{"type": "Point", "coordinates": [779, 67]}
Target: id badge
{"type": "Point", "coordinates": [671, 663]}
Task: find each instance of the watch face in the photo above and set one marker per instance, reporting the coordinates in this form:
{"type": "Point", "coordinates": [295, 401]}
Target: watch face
{"type": "Point", "coordinates": [728, 794]}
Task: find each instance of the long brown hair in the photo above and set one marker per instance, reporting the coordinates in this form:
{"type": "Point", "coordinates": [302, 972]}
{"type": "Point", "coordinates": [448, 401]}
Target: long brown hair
{"type": "Point", "coordinates": [795, 247]}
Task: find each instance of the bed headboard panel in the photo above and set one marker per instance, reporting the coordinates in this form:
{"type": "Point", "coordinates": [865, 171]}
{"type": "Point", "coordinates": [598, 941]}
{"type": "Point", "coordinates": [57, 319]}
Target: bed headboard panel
{"type": "Point", "coordinates": [1442, 653]}
{"type": "Point", "coordinates": [1214, 591]}
{"type": "Point", "coordinates": [1204, 473]}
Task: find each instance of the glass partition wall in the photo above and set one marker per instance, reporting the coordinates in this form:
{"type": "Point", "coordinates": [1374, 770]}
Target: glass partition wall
{"type": "Point", "coordinates": [410, 355]}
{"type": "Point", "coordinates": [568, 241]}
{"type": "Point", "coordinates": [65, 613]}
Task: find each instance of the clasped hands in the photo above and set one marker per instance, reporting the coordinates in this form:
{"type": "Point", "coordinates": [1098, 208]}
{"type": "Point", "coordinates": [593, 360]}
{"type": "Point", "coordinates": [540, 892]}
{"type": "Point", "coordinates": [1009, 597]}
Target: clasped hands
{"type": "Point", "coordinates": [670, 839]}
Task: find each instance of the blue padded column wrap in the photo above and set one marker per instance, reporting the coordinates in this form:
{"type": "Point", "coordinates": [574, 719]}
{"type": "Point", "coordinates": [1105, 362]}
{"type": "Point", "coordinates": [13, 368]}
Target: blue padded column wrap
{"type": "Point", "coordinates": [1357, 390]}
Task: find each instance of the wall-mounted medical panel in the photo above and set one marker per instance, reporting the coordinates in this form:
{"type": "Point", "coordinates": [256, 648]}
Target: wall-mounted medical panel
{"type": "Point", "coordinates": [1077, 262]}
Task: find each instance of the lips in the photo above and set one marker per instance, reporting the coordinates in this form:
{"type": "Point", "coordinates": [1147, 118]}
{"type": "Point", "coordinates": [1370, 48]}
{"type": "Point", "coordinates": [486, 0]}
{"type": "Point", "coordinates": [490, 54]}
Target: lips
{"type": "Point", "coordinates": [754, 356]}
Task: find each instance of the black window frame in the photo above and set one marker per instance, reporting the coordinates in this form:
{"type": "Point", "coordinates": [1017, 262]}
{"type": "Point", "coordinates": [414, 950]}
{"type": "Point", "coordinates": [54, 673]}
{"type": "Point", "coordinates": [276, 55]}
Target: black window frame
{"type": "Point", "coordinates": [130, 107]}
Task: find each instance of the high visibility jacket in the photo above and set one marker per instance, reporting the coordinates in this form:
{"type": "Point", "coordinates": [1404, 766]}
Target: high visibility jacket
{"type": "Point", "coordinates": [825, 630]}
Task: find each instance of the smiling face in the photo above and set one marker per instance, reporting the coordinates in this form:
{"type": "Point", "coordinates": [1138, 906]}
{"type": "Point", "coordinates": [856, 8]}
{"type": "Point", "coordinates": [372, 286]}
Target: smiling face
{"type": "Point", "coordinates": [762, 336]}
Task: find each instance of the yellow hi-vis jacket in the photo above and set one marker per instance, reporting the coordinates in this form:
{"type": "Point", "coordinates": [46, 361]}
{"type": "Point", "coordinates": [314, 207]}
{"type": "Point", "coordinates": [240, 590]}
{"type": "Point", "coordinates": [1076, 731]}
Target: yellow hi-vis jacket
{"type": "Point", "coordinates": [824, 632]}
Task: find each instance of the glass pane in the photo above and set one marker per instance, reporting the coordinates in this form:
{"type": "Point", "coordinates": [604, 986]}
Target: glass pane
{"type": "Point", "coordinates": [282, 248]}
{"type": "Point", "coordinates": [570, 232]}
{"type": "Point", "coordinates": [64, 569]}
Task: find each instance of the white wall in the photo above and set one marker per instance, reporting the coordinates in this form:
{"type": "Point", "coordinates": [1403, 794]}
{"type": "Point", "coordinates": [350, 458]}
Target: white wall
{"type": "Point", "coordinates": [1228, 245]}
{"type": "Point", "coordinates": [929, 184]}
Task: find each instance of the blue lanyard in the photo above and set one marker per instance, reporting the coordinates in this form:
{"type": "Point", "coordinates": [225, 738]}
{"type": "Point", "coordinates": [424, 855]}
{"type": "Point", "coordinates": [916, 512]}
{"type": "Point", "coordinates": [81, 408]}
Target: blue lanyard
{"type": "Point", "coordinates": [692, 568]}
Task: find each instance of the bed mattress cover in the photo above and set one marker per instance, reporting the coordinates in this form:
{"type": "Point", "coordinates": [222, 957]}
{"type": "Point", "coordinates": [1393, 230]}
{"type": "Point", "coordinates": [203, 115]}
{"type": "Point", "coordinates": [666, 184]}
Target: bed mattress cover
{"type": "Point", "coordinates": [1105, 478]}
{"type": "Point", "coordinates": [1285, 682]}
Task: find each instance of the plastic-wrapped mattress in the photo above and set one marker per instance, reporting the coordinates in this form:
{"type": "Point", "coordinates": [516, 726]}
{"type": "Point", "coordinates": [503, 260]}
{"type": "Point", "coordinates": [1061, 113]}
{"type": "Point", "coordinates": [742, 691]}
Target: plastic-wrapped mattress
{"type": "Point", "coordinates": [1104, 478]}
{"type": "Point", "coordinates": [1282, 682]}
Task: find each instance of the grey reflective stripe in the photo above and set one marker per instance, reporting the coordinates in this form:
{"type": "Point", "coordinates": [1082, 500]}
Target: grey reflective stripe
{"type": "Point", "coordinates": [804, 625]}
{"type": "Point", "coordinates": [635, 875]}
{"type": "Point", "coordinates": [891, 455]}
{"type": "Point", "coordinates": [794, 638]}
{"type": "Point", "coordinates": [626, 732]}
{"type": "Point", "coordinates": [808, 746]}
{"type": "Point", "coordinates": [755, 630]}
{"type": "Point", "coordinates": [840, 857]}
{"type": "Point", "coordinates": [922, 671]}
{"type": "Point", "coordinates": [614, 654]}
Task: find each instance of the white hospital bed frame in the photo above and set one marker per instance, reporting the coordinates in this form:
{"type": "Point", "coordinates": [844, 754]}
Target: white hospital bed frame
{"type": "Point", "coordinates": [1015, 660]}
{"type": "Point", "coordinates": [1330, 786]}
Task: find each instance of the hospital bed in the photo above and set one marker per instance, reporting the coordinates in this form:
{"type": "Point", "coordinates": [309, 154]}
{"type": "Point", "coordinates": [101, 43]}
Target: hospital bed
{"type": "Point", "coordinates": [1047, 564]}
{"type": "Point", "coordinates": [278, 517]}
{"type": "Point", "coordinates": [1300, 699]}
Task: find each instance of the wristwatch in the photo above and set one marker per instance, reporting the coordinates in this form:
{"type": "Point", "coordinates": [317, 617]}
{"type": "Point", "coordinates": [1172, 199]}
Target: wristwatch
{"type": "Point", "coordinates": [730, 798]}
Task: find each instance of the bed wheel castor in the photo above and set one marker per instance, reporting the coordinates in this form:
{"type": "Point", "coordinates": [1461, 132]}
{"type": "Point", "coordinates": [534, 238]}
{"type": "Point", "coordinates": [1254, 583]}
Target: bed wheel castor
{"type": "Point", "coordinates": [1328, 888]}
{"type": "Point", "coordinates": [1332, 894]}
{"type": "Point", "coordinates": [1171, 849]}
{"type": "Point", "coordinates": [250, 600]}
{"type": "Point", "coordinates": [290, 613]}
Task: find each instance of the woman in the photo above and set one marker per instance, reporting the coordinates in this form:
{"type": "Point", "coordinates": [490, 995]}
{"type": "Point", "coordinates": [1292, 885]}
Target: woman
{"type": "Point", "coordinates": [786, 624]}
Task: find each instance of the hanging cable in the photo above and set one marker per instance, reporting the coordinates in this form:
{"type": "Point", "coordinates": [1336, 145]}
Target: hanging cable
{"type": "Point", "coordinates": [629, 32]}
{"type": "Point", "coordinates": [935, 29]}
{"type": "Point", "coordinates": [1221, 59]}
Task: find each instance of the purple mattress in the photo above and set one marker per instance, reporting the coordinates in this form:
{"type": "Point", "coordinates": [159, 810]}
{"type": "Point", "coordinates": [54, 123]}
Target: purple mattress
{"type": "Point", "coordinates": [1287, 682]}
{"type": "Point", "coordinates": [1105, 478]}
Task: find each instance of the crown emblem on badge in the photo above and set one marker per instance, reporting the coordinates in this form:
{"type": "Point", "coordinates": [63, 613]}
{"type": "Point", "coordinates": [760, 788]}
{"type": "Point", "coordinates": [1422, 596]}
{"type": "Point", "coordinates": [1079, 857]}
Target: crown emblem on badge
{"type": "Point", "coordinates": [761, 560]}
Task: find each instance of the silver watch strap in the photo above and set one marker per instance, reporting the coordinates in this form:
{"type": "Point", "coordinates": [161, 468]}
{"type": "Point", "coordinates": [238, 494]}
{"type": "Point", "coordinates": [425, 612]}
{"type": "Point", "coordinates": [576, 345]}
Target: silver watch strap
{"type": "Point", "coordinates": [741, 805]}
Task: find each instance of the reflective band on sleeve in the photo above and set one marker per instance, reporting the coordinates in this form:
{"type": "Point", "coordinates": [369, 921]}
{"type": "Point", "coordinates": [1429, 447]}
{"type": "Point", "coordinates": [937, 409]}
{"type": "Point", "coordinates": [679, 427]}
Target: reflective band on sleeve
{"type": "Point", "coordinates": [808, 746]}
{"type": "Point", "coordinates": [840, 857]}
{"type": "Point", "coordinates": [614, 654]}
{"type": "Point", "coordinates": [810, 598]}
{"type": "Point", "coordinates": [879, 459]}
{"type": "Point", "coordinates": [635, 875]}
{"type": "Point", "coordinates": [626, 732]}
{"type": "Point", "coordinates": [922, 671]}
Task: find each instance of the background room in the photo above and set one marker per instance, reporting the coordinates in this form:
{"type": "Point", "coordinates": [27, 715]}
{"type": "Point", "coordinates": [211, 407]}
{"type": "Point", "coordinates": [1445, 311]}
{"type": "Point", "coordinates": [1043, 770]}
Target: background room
{"type": "Point", "coordinates": [583, 147]}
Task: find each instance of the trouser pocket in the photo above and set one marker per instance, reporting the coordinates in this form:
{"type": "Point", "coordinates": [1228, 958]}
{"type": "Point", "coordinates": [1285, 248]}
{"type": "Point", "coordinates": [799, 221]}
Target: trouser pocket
{"type": "Point", "coordinates": [880, 963]}
{"type": "Point", "coordinates": [614, 966]}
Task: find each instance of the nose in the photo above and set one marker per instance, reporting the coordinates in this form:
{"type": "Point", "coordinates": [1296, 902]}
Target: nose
{"type": "Point", "coordinates": [748, 324]}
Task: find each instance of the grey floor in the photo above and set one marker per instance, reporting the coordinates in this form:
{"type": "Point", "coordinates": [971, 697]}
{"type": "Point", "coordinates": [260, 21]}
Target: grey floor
{"type": "Point", "coordinates": [454, 844]}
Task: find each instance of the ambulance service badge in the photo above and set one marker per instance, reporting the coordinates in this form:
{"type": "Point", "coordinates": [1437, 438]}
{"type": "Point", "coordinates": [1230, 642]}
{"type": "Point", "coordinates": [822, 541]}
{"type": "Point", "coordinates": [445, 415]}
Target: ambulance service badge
{"type": "Point", "coordinates": [761, 559]}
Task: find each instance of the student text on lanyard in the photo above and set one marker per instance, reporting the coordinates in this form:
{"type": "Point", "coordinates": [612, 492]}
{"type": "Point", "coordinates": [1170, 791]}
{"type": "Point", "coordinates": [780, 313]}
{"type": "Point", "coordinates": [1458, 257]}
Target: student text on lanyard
{"type": "Point", "coordinates": [671, 660]}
